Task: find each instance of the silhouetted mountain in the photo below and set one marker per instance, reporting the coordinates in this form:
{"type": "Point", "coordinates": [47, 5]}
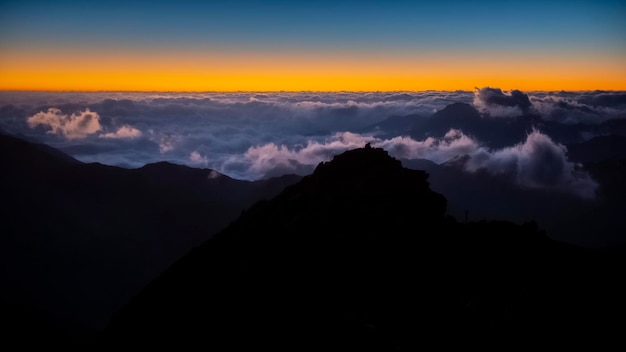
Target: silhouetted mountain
{"type": "Point", "coordinates": [566, 217]}
{"type": "Point", "coordinates": [394, 126]}
{"type": "Point", "coordinates": [28, 156]}
{"type": "Point", "coordinates": [360, 256]}
{"type": "Point", "coordinates": [492, 131]}
{"type": "Point", "coordinates": [611, 174]}
{"type": "Point", "coordinates": [78, 240]}
{"type": "Point", "coordinates": [457, 115]}
{"type": "Point", "coordinates": [612, 147]}
{"type": "Point", "coordinates": [614, 126]}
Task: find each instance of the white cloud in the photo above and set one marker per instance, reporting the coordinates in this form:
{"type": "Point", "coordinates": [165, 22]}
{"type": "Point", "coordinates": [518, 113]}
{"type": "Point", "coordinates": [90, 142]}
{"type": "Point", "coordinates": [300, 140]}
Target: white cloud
{"type": "Point", "coordinates": [166, 142]}
{"type": "Point", "coordinates": [496, 103]}
{"type": "Point", "coordinates": [75, 126]}
{"type": "Point", "coordinates": [213, 175]}
{"type": "Point", "coordinates": [538, 162]}
{"type": "Point", "coordinates": [125, 131]}
{"type": "Point", "coordinates": [198, 159]}
{"type": "Point", "coordinates": [266, 158]}
{"type": "Point", "coordinates": [454, 143]}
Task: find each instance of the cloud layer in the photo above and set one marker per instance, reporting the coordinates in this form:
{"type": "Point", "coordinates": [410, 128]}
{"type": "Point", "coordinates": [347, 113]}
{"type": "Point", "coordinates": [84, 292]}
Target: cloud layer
{"type": "Point", "coordinates": [253, 135]}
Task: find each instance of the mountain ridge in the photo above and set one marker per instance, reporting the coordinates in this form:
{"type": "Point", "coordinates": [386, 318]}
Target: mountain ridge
{"type": "Point", "coordinates": [347, 259]}
{"type": "Point", "coordinates": [63, 218]}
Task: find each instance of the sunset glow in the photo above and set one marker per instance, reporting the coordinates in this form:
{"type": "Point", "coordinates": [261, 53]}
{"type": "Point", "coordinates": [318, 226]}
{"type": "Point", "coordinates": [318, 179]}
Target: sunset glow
{"type": "Point", "coordinates": [269, 72]}
{"type": "Point", "coordinates": [393, 47]}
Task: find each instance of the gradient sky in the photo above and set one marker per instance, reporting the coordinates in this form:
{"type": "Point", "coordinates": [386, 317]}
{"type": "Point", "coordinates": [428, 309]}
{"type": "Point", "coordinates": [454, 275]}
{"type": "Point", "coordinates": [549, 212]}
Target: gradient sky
{"type": "Point", "coordinates": [312, 45]}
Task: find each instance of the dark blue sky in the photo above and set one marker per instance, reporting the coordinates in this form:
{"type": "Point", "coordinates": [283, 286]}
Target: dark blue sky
{"type": "Point", "coordinates": [404, 25]}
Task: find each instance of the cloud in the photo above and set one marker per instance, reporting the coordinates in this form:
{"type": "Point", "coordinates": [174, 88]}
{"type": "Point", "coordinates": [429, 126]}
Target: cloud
{"type": "Point", "coordinates": [252, 135]}
{"type": "Point", "coordinates": [198, 159]}
{"type": "Point", "coordinates": [574, 110]}
{"type": "Point", "coordinates": [271, 159]}
{"type": "Point", "coordinates": [453, 143]}
{"type": "Point", "coordinates": [165, 141]}
{"type": "Point", "coordinates": [562, 107]}
{"type": "Point", "coordinates": [538, 162]}
{"type": "Point", "coordinates": [496, 103]}
{"type": "Point", "coordinates": [125, 131]}
{"type": "Point", "coordinates": [75, 126]}
{"type": "Point", "coordinates": [614, 99]}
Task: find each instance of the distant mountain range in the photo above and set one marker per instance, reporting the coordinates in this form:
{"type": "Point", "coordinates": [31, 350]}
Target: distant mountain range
{"type": "Point", "coordinates": [494, 132]}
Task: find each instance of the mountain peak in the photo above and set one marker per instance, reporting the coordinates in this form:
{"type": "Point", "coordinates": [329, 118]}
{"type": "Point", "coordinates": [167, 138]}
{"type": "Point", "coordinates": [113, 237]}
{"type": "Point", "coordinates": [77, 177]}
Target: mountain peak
{"type": "Point", "coordinates": [366, 158]}
{"type": "Point", "coordinates": [363, 183]}
{"type": "Point", "coordinates": [367, 168]}
{"type": "Point", "coordinates": [458, 111]}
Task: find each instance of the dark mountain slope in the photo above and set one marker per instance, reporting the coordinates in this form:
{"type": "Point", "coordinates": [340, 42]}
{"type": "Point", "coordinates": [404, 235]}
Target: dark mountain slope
{"type": "Point", "coordinates": [495, 132]}
{"type": "Point", "coordinates": [393, 126]}
{"type": "Point", "coordinates": [360, 256]}
{"type": "Point", "coordinates": [596, 149]}
{"type": "Point", "coordinates": [78, 240]}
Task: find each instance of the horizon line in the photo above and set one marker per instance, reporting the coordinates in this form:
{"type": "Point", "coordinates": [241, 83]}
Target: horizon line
{"type": "Point", "coordinates": [295, 91]}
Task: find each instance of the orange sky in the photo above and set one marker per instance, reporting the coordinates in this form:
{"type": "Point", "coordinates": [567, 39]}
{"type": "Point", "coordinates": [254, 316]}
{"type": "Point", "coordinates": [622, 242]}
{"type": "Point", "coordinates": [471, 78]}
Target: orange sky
{"type": "Point", "coordinates": [243, 71]}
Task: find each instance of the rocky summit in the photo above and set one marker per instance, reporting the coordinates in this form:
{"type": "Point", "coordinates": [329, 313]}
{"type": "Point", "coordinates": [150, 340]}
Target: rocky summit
{"type": "Point", "coordinates": [360, 255]}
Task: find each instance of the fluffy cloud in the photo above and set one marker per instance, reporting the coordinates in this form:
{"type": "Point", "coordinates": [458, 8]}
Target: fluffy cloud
{"type": "Point", "coordinates": [198, 159]}
{"type": "Point", "coordinates": [165, 141]}
{"type": "Point", "coordinates": [271, 159]}
{"type": "Point", "coordinates": [568, 110]}
{"type": "Point", "coordinates": [538, 162]}
{"type": "Point", "coordinates": [125, 131]}
{"type": "Point", "coordinates": [453, 143]}
{"type": "Point", "coordinates": [494, 102]}
{"type": "Point", "coordinates": [252, 135]}
{"type": "Point", "coordinates": [75, 126]}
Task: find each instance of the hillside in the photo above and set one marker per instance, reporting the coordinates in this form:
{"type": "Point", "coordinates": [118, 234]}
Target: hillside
{"type": "Point", "coordinates": [360, 256]}
{"type": "Point", "coordinates": [78, 240]}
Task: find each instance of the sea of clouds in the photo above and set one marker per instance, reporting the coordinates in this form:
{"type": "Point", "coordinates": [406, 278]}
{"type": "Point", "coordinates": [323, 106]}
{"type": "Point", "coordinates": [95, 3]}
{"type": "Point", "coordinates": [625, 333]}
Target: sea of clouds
{"type": "Point", "coordinates": [255, 135]}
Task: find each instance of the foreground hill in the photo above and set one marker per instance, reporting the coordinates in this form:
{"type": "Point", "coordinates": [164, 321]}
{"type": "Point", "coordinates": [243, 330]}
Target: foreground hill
{"type": "Point", "coordinates": [360, 256]}
{"type": "Point", "coordinates": [78, 240]}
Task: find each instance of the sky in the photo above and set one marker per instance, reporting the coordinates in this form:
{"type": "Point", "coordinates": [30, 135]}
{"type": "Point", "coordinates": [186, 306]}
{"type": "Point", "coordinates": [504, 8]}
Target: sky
{"type": "Point", "coordinates": [312, 45]}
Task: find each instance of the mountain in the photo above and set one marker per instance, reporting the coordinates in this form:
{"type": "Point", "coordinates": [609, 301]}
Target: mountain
{"type": "Point", "coordinates": [600, 148]}
{"type": "Point", "coordinates": [492, 131]}
{"type": "Point", "coordinates": [395, 125]}
{"type": "Point", "coordinates": [499, 132]}
{"type": "Point", "coordinates": [78, 240]}
{"type": "Point", "coordinates": [360, 255]}
{"type": "Point", "coordinates": [481, 195]}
